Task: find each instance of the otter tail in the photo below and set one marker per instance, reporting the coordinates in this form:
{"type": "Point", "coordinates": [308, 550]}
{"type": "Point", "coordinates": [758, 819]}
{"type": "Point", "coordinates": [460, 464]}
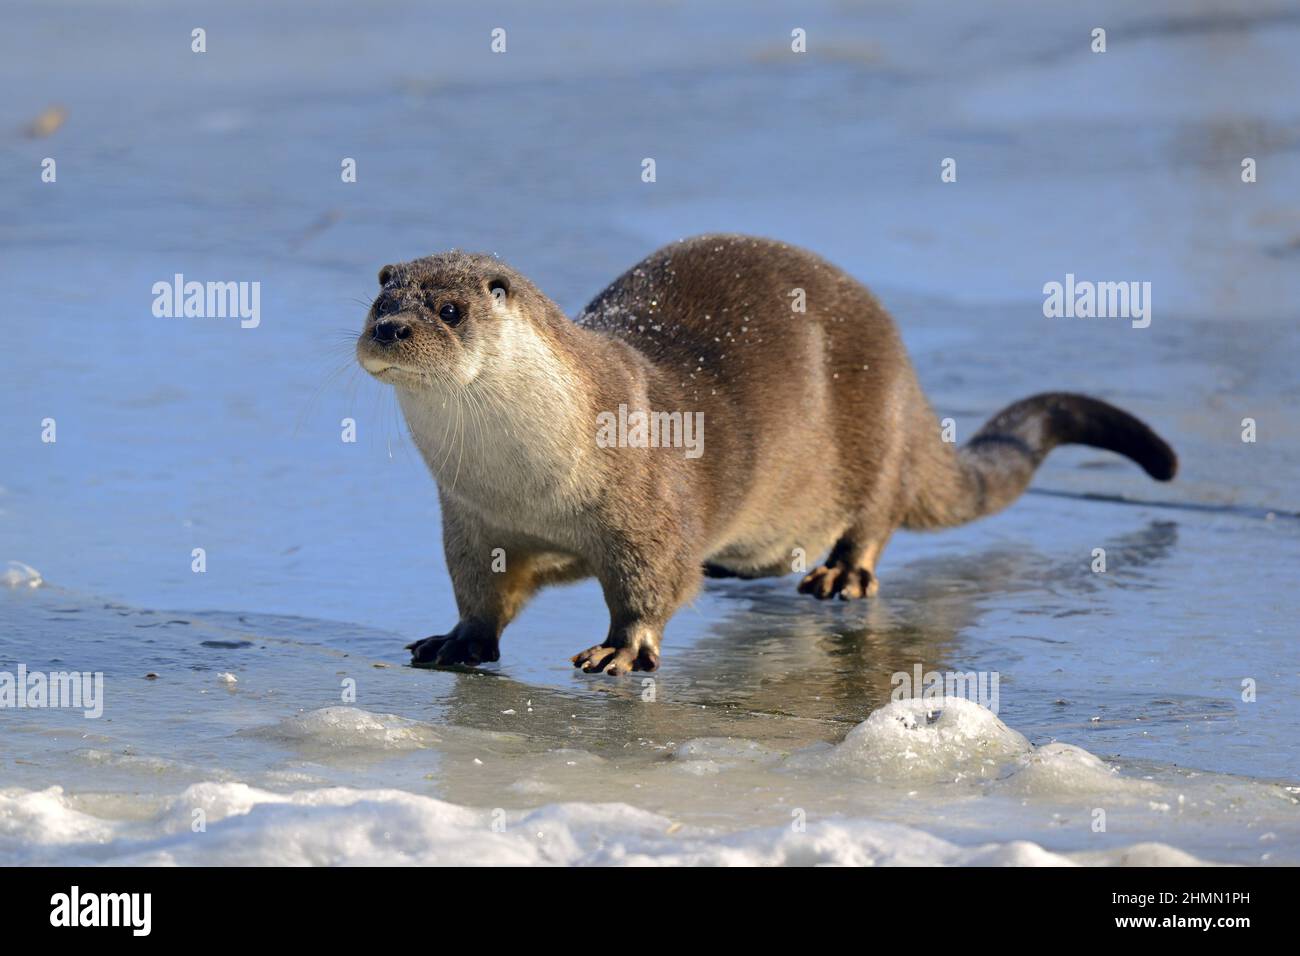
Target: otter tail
{"type": "Point", "coordinates": [994, 467]}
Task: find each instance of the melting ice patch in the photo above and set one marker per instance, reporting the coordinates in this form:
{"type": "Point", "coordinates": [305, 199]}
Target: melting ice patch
{"type": "Point", "coordinates": [1060, 770]}
{"type": "Point", "coordinates": [919, 740]}
{"type": "Point", "coordinates": [709, 755]}
{"type": "Point", "coordinates": [952, 740]}
{"type": "Point", "coordinates": [348, 728]}
{"type": "Point", "coordinates": [19, 575]}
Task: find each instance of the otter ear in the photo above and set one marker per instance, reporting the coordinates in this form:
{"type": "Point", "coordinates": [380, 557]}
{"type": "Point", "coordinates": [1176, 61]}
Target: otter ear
{"type": "Point", "coordinates": [499, 288]}
{"type": "Point", "coordinates": [386, 273]}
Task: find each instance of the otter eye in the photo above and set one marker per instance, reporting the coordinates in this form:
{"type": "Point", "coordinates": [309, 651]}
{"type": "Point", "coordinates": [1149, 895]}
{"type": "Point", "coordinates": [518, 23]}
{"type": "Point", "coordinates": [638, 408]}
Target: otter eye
{"type": "Point", "coordinates": [449, 313]}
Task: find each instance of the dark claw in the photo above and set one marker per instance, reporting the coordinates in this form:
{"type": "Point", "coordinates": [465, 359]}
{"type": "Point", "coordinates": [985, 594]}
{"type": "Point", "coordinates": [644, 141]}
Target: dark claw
{"type": "Point", "coordinates": [449, 651]}
{"type": "Point", "coordinates": [425, 651]}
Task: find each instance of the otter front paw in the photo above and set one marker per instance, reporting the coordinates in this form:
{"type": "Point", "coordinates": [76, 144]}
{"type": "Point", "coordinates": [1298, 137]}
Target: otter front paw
{"type": "Point", "coordinates": [845, 580]}
{"type": "Point", "coordinates": [616, 657]}
{"type": "Point", "coordinates": [450, 649]}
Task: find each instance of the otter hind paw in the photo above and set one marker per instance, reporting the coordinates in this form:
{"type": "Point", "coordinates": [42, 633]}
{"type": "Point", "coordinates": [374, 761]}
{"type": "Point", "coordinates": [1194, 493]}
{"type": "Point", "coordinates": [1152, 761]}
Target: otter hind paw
{"type": "Point", "coordinates": [616, 660]}
{"type": "Point", "coordinates": [846, 581]}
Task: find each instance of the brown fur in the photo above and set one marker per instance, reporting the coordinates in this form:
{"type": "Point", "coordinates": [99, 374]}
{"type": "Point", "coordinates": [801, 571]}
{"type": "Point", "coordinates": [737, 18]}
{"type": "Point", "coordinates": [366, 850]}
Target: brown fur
{"type": "Point", "coordinates": [816, 434]}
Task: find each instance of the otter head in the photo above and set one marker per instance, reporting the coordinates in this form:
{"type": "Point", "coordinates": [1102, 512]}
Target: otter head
{"type": "Point", "coordinates": [440, 320]}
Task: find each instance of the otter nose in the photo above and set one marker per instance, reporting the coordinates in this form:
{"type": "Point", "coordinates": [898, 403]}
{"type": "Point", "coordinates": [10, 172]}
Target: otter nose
{"type": "Point", "coordinates": [388, 331]}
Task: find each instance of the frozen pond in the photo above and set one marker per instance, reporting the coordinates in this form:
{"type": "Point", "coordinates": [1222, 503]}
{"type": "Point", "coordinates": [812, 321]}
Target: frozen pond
{"type": "Point", "coordinates": [281, 707]}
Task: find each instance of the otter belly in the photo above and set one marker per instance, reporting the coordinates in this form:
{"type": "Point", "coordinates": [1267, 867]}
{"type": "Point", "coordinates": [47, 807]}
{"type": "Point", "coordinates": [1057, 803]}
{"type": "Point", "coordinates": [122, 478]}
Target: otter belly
{"type": "Point", "coordinates": [763, 551]}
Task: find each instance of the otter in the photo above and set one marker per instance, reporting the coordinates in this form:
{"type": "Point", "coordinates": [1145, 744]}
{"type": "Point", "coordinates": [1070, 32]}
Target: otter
{"type": "Point", "coordinates": [818, 435]}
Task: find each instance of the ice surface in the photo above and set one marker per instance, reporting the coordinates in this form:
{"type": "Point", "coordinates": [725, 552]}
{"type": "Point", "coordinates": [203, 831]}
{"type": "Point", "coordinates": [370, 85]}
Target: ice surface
{"type": "Point", "coordinates": [1123, 692]}
{"type": "Point", "coordinates": [917, 782]}
{"type": "Point", "coordinates": [242, 825]}
{"type": "Point", "coordinates": [333, 728]}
